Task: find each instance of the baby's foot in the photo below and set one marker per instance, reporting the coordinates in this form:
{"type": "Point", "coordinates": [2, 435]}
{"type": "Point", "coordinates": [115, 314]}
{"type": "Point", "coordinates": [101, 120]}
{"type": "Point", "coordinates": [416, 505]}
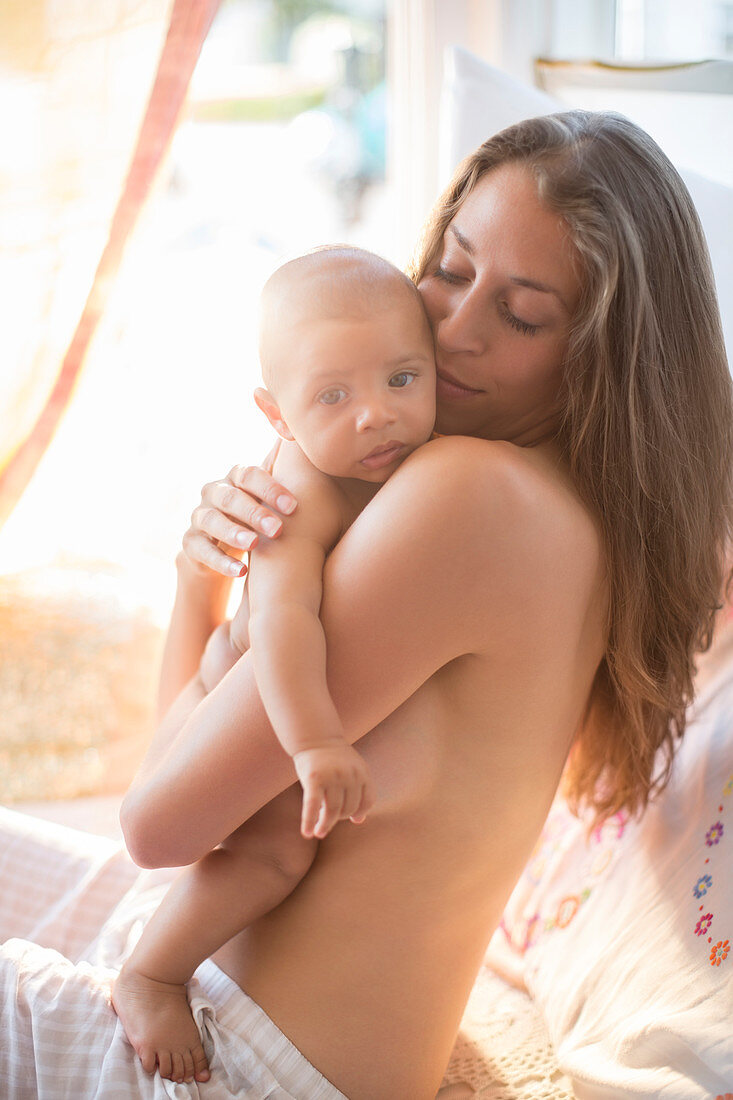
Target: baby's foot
{"type": "Point", "coordinates": [158, 1022]}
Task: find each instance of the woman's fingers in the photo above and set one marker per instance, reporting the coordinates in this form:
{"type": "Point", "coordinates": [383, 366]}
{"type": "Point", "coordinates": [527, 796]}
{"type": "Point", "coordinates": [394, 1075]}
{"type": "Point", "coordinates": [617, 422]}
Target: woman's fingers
{"type": "Point", "coordinates": [237, 508]}
{"type": "Point", "coordinates": [231, 516]}
{"type": "Point", "coordinates": [210, 521]}
{"type": "Point", "coordinates": [233, 508]}
{"type": "Point", "coordinates": [258, 483]}
{"type": "Point", "coordinates": [200, 549]}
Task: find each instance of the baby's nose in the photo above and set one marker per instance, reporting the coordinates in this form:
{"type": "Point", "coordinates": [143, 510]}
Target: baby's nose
{"type": "Point", "coordinates": [374, 414]}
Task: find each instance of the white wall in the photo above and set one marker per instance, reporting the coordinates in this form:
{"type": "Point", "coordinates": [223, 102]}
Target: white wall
{"type": "Point", "coordinates": [509, 34]}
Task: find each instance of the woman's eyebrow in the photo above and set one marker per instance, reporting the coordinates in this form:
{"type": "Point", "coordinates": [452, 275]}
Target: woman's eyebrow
{"type": "Point", "coordinates": [463, 241]}
{"type": "Point", "coordinates": [518, 280]}
{"type": "Point", "coordinates": [534, 285]}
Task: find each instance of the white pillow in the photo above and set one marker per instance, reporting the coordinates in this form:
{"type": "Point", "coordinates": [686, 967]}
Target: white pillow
{"type": "Point", "coordinates": [625, 939]}
{"type": "Point", "coordinates": [714, 203]}
{"type": "Point", "coordinates": [479, 100]}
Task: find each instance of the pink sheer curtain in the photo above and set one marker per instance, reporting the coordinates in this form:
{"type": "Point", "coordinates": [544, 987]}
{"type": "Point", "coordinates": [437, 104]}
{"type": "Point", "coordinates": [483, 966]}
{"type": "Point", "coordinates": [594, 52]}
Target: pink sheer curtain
{"type": "Point", "coordinates": [89, 99]}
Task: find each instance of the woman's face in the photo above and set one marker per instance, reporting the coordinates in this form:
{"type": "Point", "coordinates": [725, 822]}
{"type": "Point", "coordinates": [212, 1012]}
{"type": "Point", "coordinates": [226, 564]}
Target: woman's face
{"type": "Point", "coordinates": [500, 296]}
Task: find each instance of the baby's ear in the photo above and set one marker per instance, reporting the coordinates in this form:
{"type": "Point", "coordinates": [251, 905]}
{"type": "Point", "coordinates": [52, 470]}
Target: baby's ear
{"type": "Point", "coordinates": [266, 402]}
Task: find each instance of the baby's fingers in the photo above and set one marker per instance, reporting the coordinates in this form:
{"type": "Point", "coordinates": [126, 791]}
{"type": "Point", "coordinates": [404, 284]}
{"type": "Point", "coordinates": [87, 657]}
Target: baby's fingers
{"type": "Point", "coordinates": [353, 797]}
{"type": "Point", "coordinates": [312, 801]}
{"type": "Point", "coordinates": [331, 811]}
{"type": "Point", "coordinates": [365, 803]}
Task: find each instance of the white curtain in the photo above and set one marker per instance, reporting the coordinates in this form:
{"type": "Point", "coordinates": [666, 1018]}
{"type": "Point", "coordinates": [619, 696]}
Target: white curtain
{"type": "Point", "coordinates": [89, 97]}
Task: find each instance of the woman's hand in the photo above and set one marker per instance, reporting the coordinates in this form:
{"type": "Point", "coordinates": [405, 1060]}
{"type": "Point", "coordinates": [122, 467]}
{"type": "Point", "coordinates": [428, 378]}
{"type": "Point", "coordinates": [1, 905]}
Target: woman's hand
{"type": "Point", "coordinates": [233, 513]}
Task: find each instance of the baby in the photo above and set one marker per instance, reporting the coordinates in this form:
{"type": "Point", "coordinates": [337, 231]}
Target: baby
{"type": "Point", "coordinates": [347, 358]}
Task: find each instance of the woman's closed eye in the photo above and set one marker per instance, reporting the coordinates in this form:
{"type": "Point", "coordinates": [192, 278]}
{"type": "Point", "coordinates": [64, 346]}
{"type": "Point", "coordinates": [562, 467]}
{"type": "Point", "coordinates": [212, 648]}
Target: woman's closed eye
{"type": "Point", "coordinates": [517, 323]}
{"type": "Point", "coordinates": [447, 276]}
{"type": "Point", "coordinates": [526, 328]}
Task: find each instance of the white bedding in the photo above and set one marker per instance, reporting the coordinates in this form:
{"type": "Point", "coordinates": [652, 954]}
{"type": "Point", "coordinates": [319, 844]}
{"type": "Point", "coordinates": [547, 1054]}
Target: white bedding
{"type": "Point", "coordinates": [72, 905]}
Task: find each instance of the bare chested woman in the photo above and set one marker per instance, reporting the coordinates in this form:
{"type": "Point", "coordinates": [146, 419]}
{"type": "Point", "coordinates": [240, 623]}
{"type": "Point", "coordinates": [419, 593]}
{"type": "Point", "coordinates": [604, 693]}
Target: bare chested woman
{"type": "Point", "coordinates": [533, 586]}
{"type": "Point", "coordinates": [478, 600]}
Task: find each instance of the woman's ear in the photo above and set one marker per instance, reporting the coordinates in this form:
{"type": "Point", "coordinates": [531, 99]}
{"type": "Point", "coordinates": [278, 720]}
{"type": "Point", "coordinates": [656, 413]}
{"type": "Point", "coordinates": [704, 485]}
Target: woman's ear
{"type": "Point", "coordinates": [266, 402]}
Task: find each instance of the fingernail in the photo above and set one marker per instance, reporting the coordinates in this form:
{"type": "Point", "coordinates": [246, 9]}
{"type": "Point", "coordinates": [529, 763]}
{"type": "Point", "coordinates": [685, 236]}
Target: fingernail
{"type": "Point", "coordinates": [271, 526]}
{"type": "Point", "coordinates": [285, 504]}
{"type": "Point", "coordinates": [236, 568]}
{"type": "Point", "coordinates": [245, 538]}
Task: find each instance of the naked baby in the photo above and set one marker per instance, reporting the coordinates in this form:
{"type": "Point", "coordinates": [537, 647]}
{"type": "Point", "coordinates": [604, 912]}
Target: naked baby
{"type": "Point", "coordinates": [348, 364]}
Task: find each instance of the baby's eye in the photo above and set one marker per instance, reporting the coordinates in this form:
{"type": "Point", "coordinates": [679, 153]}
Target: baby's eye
{"type": "Point", "coordinates": [404, 378]}
{"type": "Point", "coordinates": [331, 397]}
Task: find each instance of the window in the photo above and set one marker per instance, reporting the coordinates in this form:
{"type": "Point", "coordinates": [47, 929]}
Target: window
{"type": "Point", "coordinates": [674, 30]}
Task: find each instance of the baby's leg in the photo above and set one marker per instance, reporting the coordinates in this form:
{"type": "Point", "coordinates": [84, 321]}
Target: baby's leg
{"type": "Point", "coordinates": [218, 657]}
{"type": "Point", "coordinates": [225, 646]}
{"type": "Point", "coordinates": [239, 626]}
{"type": "Point", "coordinates": [247, 876]}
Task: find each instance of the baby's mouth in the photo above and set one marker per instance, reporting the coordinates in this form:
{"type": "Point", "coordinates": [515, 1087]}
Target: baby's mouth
{"type": "Point", "coordinates": [383, 455]}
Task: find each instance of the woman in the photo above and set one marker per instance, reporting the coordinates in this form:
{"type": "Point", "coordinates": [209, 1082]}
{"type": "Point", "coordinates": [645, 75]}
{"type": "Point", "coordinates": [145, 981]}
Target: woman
{"type": "Point", "coordinates": [541, 585]}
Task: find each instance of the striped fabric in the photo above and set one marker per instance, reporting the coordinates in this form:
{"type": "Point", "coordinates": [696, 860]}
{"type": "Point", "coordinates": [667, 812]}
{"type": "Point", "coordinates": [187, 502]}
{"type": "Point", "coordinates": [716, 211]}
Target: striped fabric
{"type": "Point", "coordinates": [71, 907]}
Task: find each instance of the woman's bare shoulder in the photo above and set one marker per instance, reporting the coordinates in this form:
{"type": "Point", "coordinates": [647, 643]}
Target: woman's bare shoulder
{"type": "Point", "coordinates": [469, 538]}
{"type": "Point", "coordinates": [477, 485]}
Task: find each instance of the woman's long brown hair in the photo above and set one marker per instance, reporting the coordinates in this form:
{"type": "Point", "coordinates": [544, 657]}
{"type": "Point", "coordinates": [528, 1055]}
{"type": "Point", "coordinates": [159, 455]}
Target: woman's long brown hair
{"type": "Point", "coordinates": [647, 427]}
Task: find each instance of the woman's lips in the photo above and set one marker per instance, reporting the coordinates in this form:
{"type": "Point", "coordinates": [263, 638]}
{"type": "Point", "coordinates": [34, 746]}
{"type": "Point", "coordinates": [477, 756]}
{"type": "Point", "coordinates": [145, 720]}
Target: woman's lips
{"type": "Point", "coordinates": [383, 456]}
{"type": "Point", "coordinates": [448, 386]}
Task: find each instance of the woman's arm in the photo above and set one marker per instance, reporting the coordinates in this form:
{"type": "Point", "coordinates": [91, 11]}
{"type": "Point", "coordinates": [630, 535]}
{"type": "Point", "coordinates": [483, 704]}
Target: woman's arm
{"type": "Point", "coordinates": [200, 605]}
{"type": "Point", "coordinates": [440, 564]}
{"type": "Point", "coordinates": [231, 516]}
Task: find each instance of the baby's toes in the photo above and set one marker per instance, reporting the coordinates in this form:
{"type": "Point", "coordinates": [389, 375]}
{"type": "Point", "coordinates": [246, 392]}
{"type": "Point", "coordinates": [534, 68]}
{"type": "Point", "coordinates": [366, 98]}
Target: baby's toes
{"type": "Point", "coordinates": [200, 1064]}
{"type": "Point", "coordinates": [148, 1058]}
{"type": "Point", "coordinates": [187, 1066]}
{"type": "Point", "coordinates": [177, 1067]}
{"type": "Point", "coordinates": [165, 1063]}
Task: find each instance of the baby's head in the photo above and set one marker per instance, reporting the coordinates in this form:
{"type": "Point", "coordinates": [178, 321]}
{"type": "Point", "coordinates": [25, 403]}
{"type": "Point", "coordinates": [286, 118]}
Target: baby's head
{"type": "Point", "coordinates": [347, 358]}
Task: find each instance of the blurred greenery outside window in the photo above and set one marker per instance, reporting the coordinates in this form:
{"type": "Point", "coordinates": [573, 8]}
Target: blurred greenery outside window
{"type": "Point", "coordinates": [318, 66]}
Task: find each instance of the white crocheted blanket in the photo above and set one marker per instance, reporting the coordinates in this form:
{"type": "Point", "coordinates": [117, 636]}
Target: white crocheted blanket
{"type": "Point", "coordinates": [503, 1051]}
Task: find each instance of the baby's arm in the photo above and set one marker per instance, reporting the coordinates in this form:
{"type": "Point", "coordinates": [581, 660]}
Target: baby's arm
{"type": "Point", "coordinates": [289, 655]}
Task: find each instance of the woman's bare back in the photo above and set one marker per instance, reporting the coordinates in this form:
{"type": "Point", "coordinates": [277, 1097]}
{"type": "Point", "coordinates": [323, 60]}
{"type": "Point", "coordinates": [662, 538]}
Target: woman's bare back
{"type": "Point", "coordinates": [388, 929]}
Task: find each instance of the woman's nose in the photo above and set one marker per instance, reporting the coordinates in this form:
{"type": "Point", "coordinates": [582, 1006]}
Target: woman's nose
{"type": "Point", "coordinates": [464, 326]}
{"type": "Point", "coordinates": [374, 414]}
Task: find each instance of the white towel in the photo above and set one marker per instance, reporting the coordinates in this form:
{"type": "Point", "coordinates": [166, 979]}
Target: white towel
{"type": "Point", "coordinates": [71, 907]}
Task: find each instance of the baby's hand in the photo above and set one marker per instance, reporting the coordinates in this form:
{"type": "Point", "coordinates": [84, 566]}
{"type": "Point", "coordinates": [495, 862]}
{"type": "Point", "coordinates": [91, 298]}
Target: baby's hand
{"type": "Point", "coordinates": [336, 786]}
